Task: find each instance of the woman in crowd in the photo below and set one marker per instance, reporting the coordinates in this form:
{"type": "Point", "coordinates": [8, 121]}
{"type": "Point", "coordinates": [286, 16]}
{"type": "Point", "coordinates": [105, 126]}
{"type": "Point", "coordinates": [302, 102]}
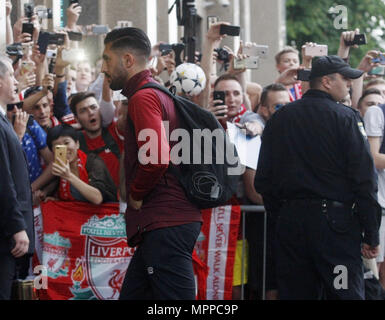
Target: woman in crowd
{"type": "Point", "coordinates": [83, 177]}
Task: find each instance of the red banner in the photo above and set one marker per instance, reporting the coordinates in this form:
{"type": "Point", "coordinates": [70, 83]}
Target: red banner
{"type": "Point", "coordinates": [84, 249]}
{"type": "Point", "coordinates": [216, 247]}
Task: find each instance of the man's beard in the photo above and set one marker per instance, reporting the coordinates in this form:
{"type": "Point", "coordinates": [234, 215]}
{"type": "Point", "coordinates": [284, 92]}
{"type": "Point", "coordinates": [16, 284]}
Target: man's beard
{"type": "Point", "coordinates": [118, 81]}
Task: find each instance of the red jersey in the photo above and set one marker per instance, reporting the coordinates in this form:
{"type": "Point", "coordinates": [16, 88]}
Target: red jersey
{"type": "Point", "coordinates": [109, 158]}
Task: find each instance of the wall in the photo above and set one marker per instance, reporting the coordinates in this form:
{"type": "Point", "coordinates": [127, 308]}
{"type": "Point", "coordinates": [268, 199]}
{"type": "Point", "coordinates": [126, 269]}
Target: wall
{"type": "Point", "coordinates": [262, 21]}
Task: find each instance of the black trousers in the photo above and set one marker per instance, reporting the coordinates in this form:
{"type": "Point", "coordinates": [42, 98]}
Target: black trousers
{"type": "Point", "coordinates": [161, 268]}
{"type": "Point", "coordinates": [313, 246]}
{"type": "Point", "coordinates": [11, 268]}
{"type": "Point", "coordinates": [256, 238]}
{"type": "Point", "coordinates": [7, 275]}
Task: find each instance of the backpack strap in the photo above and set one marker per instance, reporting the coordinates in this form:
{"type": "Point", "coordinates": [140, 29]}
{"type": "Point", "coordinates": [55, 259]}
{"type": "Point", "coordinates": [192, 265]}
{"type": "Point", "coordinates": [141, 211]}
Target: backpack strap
{"type": "Point", "coordinates": [83, 143]}
{"type": "Point", "coordinates": [109, 143]}
{"type": "Point", "coordinates": [153, 85]}
{"type": "Point", "coordinates": [382, 148]}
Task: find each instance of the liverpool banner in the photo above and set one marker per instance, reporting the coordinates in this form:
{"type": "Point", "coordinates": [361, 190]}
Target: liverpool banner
{"type": "Point", "coordinates": [84, 249]}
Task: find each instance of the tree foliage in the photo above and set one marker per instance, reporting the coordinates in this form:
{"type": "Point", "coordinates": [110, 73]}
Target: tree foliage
{"type": "Point", "coordinates": [311, 21]}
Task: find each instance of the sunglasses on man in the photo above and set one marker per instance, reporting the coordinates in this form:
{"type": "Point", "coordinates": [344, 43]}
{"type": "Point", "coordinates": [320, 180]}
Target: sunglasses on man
{"type": "Point", "coordinates": [11, 106]}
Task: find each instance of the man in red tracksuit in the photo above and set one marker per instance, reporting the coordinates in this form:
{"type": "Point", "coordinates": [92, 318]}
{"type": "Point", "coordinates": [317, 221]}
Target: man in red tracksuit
{"type": "Point", "coordinates": [160, 220]}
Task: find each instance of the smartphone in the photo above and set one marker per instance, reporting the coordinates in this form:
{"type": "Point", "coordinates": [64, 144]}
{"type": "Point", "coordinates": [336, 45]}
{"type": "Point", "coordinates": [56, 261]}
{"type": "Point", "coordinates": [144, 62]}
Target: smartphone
{"type": "Point", "coordinates": [248, 63]}
{"type": "Point", "coordinates": [43, 41]}
{"type": "Point", "coordinates": [75, 36]}
{"type": "Point", "coordinates": [239, 64]}
{"type": "Point", "coordinates": [256, 50]}
{"type": "Point", "coordinates": [380, 59]}
{"type": "Point", "coordinates": [303, 75]}
{"type": "Point", "coordinates": [165, 48]}
{"type": "Point", "coordinates": [124, 24]}
{"type": "Point", "coordinates": [359, 39]}
{"type": "Point", "coordinates": [57, 39]}
{"type": "Point", "coordinates": [60, 153]}
{"type": "Point", "coordinates": [100, 29]}
{"type": "Point", "coordinates": [316, 51]}
{"type": "Point", "coordinates": [220, 95]}
{"type": "Point", "coordinates": [28, 28]}
{"type": "Point", "coordinates": [26, 67]}
{"type": "Point", "coordinates": [377, 71]}
{"type": "Point", "coordinates": [74, 1]}
{"type": "Point", "coordinates": [232, 31]}
{"type": "Point", "coordinates": [211, 20]}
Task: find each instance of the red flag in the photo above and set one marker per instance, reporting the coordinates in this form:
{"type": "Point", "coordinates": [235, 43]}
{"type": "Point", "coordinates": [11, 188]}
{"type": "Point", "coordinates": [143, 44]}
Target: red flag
{"type": "Point", "coordinates": [217, 249]}
{"type": "Point", "coordinates": [84, 250]}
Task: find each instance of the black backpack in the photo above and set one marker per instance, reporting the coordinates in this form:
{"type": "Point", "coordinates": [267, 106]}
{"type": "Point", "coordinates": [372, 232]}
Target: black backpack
{"type": "Point", "coordinates": [207, 185]}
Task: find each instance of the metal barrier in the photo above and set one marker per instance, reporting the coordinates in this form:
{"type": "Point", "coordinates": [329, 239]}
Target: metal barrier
{"type": "Point", "coordinates": [253, 209]}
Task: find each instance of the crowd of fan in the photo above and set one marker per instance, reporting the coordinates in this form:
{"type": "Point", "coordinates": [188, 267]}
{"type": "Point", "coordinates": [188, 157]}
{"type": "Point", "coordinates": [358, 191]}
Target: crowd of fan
{"type": "Point", "coordinates": [72, 104]}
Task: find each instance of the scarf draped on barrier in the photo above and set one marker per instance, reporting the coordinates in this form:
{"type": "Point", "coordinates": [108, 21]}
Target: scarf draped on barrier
{"type": "Point", "coordinates": [84, 250]}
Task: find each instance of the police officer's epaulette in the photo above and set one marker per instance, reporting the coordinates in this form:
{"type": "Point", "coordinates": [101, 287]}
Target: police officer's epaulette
{"type": "Point", "coordinates": [351, 108]}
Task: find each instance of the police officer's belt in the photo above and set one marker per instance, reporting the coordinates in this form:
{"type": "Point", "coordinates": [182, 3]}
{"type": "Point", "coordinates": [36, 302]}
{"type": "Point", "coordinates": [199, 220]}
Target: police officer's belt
{"type": "Point", "coordinates": [320, 202]}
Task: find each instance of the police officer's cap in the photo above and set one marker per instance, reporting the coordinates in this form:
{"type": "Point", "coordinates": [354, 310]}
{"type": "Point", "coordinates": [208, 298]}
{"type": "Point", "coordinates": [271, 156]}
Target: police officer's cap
{"type": "Point", "coordinates": [325, 65]}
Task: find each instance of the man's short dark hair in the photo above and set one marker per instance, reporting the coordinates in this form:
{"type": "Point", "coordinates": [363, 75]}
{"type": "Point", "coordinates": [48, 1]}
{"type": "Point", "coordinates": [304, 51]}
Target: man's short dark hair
{"type": "Point", "coordinates": [79, 97]}
{"type": "Point", "coordinates": [62, 130]}
{"type": "Point", "coordinates": [225, 77]}
{"type": "Point", "coordinates": [366, 93]}
{"type": "Point", "coordinates": [272, 87]}
{"type": "Point", "coordinates": [129, 38]}
{"type": "Point", "coordinates": [32, 90]}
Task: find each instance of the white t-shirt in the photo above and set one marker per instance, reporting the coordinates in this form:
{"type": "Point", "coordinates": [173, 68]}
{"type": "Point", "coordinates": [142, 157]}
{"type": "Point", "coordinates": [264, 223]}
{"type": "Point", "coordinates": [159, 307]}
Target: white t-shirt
{"type": "Point", "coordinates": [374, 127]}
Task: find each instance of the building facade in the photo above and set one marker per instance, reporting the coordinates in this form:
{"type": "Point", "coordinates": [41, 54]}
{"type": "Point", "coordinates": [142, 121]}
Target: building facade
{"type": "Point", "coordinates": [261, 21]}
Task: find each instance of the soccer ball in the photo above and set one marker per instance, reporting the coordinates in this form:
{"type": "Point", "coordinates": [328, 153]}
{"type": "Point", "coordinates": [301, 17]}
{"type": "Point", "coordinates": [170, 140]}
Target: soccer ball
{"type": "Point", "coordinates": [188, 79]}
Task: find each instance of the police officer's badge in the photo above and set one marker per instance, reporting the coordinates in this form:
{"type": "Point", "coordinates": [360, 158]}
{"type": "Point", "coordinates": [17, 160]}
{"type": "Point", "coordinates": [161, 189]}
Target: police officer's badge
{"type": "Point", "coordinates": [362, 129]}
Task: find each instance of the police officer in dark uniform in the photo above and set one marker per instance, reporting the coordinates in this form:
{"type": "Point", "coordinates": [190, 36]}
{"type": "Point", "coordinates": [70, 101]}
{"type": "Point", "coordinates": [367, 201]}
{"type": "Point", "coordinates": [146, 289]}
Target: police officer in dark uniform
{"type": "Point", "coordinates": [316, 175]}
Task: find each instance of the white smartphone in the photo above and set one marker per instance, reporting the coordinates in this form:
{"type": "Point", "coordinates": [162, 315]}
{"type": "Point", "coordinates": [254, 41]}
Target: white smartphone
{"type": "Point", "coordinates": [211, 20]}
{"type": "Point", "coordinates": [256, 50]}
{"type": "Point", "coordinates": [124, 24]}
{"type": "Point", "coordinates": [317, 51]}
{"type": "Point", "coordinates": [248, 63]}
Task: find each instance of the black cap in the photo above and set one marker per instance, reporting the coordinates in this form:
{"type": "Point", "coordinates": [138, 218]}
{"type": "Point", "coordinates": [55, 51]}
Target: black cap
{"type": "Point", "coordinates": [325, 65]}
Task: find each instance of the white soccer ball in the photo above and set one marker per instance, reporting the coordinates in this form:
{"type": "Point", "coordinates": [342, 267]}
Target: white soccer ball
{"type": "Point", "coordinates": [189, 79]}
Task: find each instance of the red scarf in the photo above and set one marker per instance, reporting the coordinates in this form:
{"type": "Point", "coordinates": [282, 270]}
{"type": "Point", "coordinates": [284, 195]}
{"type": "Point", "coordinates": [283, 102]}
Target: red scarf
{"type": "Point", "coordinates": [55, 122]}
{"type": "Point", "coordinates": [241, 112]}
{"type": "Point", "coordinates": [237, 118]}
{"type": "Point", "coordinates": [64, 187]}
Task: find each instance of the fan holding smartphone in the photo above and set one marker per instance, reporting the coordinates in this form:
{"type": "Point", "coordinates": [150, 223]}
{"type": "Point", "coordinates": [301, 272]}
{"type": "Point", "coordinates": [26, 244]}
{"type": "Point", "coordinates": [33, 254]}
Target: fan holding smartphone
{"type": "Point", "coordinates": [220, 108]}
{"type": "Point", "coordinates": [73, 13]}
